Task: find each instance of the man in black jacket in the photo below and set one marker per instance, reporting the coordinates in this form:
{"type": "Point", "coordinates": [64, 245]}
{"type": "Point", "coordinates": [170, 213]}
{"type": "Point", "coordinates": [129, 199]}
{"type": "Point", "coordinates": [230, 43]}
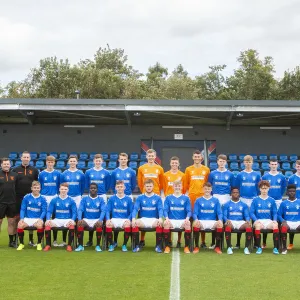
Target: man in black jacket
{"type": "Point", "coordinates": [26, 175]}
{"type": "Point", "coordinates": [8, 181]}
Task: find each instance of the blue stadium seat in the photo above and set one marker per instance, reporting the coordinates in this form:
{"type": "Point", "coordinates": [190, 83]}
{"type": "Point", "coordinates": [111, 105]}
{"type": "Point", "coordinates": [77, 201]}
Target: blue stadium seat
{"type": "Point", "coordinates": [143, 157]}
{"type": "Point", "coordinates": [133, 164]}
{"type": "Point", "coordinates": [105, 155]}
{"type": "Point", "coordinates": [234, 166]}
{"type": "Point", "coordinates": [213, 166]}
{"type": "Point", "coordinates": [256, 166]}
{"type": "Point", "coordinates": [254, 156]}
{"type": "Point", "coordinates": [134, 156]}
{"type": "Point", "coordinates": [90, 164]}
{"type": "Point", "coordinates": [83, 155]}
{"type": "Point", "coordinates": [11, 163]}
{"type": "Point", "coordinates": [283, 158]}
{"type": "Point", "coordinates": [294, 165]}
{"type": "Point", "coordinates": [263, 157]}
{"type": "Point", "coordinates": [43, 155]}
{"type": "Point", "coordinates": [39, 164]}
{"type": "Point", "coordinates": [103, 165]}
{"type": "Point", "coordinates": [13, 155]}
{"type": "Point", "coordinates": [286, 166]}
{"type": "Point", "coordinates": [288, 174]}
{"type": "Point", "coordinates": [142, 163]}
{"type": "Point", "coordinates": [63, 156]}
{"type": "Point", "coordinates": [60, 164]}
{"type": "Point", "coordinates": [265, 166]}
{"type": "Point", "coordinates": [212, 157]}
{"type": "Point", "coordinates": [293, 157]}
{"type": "Point", "coordinates": [18, 163]}
{"type": "Point", "coordinates": [81, 164]}
{"type": "Point", "coordinates": [113, 156]}
{"type": "Point", "coordinates": [235, 173]}
{"type": "Point", "coordinates": [92, 155]}
{"type": "Point", "coordinates": [273, 156]}
{"type": "Point", "coordinates": [242, 167]}
{"type": "Point", "coordinates": [241, 157]}
{"type": "Point", "coordinates": [112, 165]}
{"type": "Point", "coordinates": [31, 163]}
{"type": "Point", "coordinates": [232, 157]}
{"type": "Point", "coordinates": [33, 155]}
{"type": "Point", "coordinates": [74, 154]}
{"type": "Point", "coordinates": [55, 154]}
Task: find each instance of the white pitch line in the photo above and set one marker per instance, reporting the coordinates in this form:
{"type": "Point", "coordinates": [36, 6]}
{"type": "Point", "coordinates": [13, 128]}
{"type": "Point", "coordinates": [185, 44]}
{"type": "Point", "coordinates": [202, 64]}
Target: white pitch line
{"type": "Point", "coordinates": [175, 276]}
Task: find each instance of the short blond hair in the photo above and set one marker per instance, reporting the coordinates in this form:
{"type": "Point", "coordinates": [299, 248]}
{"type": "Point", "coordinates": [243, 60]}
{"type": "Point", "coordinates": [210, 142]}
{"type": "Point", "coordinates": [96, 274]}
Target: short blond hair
{"type": "Point", "coordinates": [50, 158]}
{"type": "Point", "coordinates": [151, 151]}
{"type": "Point", "coordinates": [123, 154]}
{"type": "Point", "coordinates": [248, 158]}
{"type": "Point", "coordinates": [35, 182]}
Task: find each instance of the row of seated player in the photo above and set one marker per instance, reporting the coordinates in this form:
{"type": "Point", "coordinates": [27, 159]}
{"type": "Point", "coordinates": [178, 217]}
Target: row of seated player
{"type": "Point", "coordinates": [82, 165]}
{"type": "Point", "coordinates": [83, 156]}
{"type": "Point", "coordinates": [264, 166]}
{"type": "Point", "coordinates": [258, 158]}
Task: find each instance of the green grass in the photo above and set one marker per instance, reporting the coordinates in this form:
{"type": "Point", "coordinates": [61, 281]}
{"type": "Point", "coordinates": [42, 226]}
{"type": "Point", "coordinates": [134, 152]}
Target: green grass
{"type": "Point", "coordinates": [30, 274]}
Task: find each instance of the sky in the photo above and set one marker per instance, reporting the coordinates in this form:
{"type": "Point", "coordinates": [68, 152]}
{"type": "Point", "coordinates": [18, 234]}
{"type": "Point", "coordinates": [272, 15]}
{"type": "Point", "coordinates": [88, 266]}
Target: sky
{"type": "Point", "coordinates": [195, 33]}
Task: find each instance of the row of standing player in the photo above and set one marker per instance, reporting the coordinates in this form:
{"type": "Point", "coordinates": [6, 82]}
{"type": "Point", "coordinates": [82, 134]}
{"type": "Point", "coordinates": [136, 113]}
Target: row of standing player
{"type": "Point", "coordinates": [193, 178]}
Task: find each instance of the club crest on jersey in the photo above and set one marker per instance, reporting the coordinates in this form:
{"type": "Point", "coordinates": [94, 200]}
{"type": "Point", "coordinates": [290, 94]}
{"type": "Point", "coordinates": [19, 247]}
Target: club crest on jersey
{"type": "Point", "coordinates": [216, 177]}
{"type": "Point", "coordinates": [259, 205]}
{"type": "Point", "coordinates": [226, 177]}
{"type": "Point", "coordinates": [172, 202]}
{"type": "Point", "coordinates": [30, 172]}
{"type": "Point", "coordinates": [127, 175]}
{"type": "Point", "coordinates": [102, 176]}
{"type": "Point", "coordinates": [182, 202]}
{"type": "Point", "coordinates": [92, 175]}
{"type": "Point", "coordinates": [97, 204]}
{"type": "Point", "coordinates": [29, 202]}
{"type": "Point", "coordinates": [156, 171]}
{"type": "Point", "coordinates": [153, 202]}
{"type": "Point", "coordinates": [212, 205]}
{"type": "Point", "coordinates": [57, 204]}
{"type": "Point", "coordinates": [68, 177]}
{"type": "Point", "coordinates": [39, 203]}
{"type": "Point", "coordinates": [287, 207]}
{"type": "Point", "coordinates": [12, 177]}
{"type": "Point", "coordinates": [203, 172]}
{"type": "Point", "coordinates": [54, 177]}
{"type": "Point", "coordinates": [230, 207]}
{"type": "Point", "coordinates": [144, 201]}
{"type": "Point", "coordinates": [241, 207]}
{"type": "Point", "coordinates": [118, 175]}
{"type": "Point", "coordinates": [67, 204]}
{"type": "Point", "coordinates": [78, 177]}
{"type": "Point", "coordinates": [88, 204]}
{"type": "Point", "coordinates": [253, 177]}
{"type": "Point", "coordinates": [297, 206]}
{"type": "Point", "coordinates": [46, 178]}
{"type": "Point", "coordinates": [244, 178]}
{"type": "Point", "coordinates": [192, 172]}
{"type": "Point", "coordinates": [278, 180]}
{"type": "Point", "coordinates": [202, 204]}
{"type": "Point", "coordinates": [269, 204]}
{"type": "Point", "coordinates": [125, 204]}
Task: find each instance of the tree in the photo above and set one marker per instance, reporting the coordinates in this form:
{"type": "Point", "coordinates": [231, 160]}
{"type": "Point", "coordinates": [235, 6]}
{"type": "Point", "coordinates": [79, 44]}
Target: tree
{"type": "Point", "coordinates": [289, 85]}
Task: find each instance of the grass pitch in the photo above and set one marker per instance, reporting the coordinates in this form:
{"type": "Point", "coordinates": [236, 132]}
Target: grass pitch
{"type": "Point", "coordinates": [30, 274]}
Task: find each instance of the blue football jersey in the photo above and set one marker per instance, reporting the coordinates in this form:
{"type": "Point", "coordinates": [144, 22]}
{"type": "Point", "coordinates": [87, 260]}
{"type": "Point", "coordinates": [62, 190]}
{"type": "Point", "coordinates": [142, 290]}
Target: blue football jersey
{"type": "Point", "coordinates": [247, 182]}
{"type": "Point", "coordinates": [33, 207]}
{"type": "Point", "coordinates": [127, 175]}
{"type": "Point", "coordinates": [92, 208]}
{"type": "Point", "coordinates": [221, 181]}
{"type": "Point", "coordinates": [289, 211]}
{"type": "Point", "coordinates": [236, 211]}
{"type": "Point", "coordinates": [295, 179]}
{"type": "Point", "coordinates": [148, 206]}
{"type": "Point", "coordinates": [119, 207]}
{"type": "Point", "coordinates": [277, 185]}
{"type": "Point", "coordinates": [50, 182]}
{"type": "Point", "coordinates": [62, 208]}
{"type": "Point", "coordinates": [76, 182]}
{"type": "Point", "coordinates": [263, 209]}
{"type": "Point", "coordinates": [101, 177]}
{"type": "Point", "coordinates": [207, 209]}
{"type": "Point", "coordinates": [177, 208]}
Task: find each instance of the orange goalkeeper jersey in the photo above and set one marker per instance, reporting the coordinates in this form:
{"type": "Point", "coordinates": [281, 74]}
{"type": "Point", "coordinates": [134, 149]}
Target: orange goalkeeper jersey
{"type": "Point", "coordinates": [195, 178]}
{"type": "Point", "coordinates": [155, 173]}
{"type": "Point", "coordinates": [169, 179]}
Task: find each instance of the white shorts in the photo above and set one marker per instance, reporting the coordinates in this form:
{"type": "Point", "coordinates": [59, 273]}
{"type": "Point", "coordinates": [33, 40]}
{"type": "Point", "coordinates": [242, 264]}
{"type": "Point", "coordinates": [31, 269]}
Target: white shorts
{"type": "Point", "coordinates": [90, 222]}
{"type": "Point", "coordinates": [222, 198]}
{"type": "Point", "coordinates": [30, 221]}
{"type": "Point", "coordinates": [148, 222]}
{"type": "Point", "coordinates": [77, 200]}
{"type": "Point", "coordinates": [49, 198]}
{"type": "Point", "coordinates": [177, 224]}
{"type": "Point", "coordinates": [61, 222]}
{"type": "Point", "coordinates": [237, 224]}
{"type": "Point", "coordinates": [247, 201]}
{"type": "Point", "coordinates": [278, 202]}
{"type": "Point", "coordinates": [293, 225]}
{"type": "Point", "coordinates": [118, 223]}
{"type": "Point", "coordinates": [208, 224]}
{"type": "Point", "coordinates": [104, 196]}
{"type": "Point", "coordinates": [265, 222]}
